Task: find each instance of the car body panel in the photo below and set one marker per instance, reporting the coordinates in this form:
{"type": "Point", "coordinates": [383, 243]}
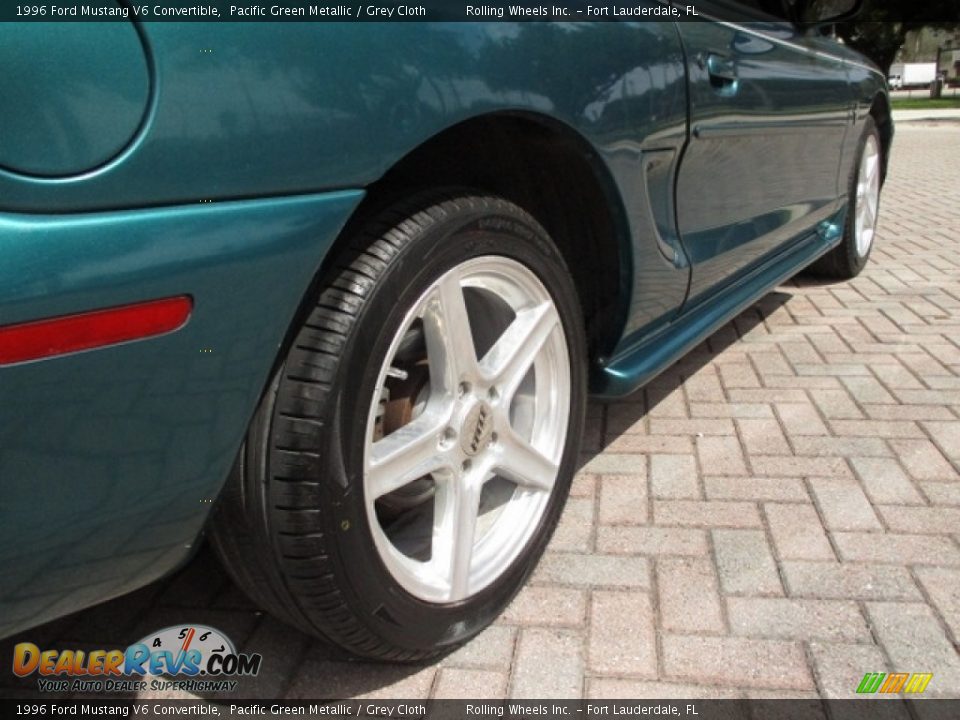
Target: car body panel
{"type": "Point", "coordinates": [257, 145]}
{"type": "Point", "coordinates": [110, 458]}
{"type": "Point", "coordinates": [772, 123]}
{"type": "Point", "coordinates": [75, 95]}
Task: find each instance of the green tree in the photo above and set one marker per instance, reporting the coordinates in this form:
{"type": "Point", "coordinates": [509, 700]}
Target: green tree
{"type": "Point", "coordinates": [881, 29]}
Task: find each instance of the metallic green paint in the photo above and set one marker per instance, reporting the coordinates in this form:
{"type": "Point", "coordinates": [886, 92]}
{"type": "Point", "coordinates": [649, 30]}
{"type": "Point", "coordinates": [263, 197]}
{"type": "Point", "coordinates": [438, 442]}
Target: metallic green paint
{"type": "Point", "coordinates": [109, 459]}
{"type": "Point", "coordinates": [74, 95]}
{"type": "Point", "coordinates": [775, 139]}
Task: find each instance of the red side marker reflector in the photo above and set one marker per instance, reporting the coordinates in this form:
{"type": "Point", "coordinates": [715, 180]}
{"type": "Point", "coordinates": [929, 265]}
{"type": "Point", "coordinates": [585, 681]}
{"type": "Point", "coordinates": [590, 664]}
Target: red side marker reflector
{"type": "Point", "coordinates": [83, 331]}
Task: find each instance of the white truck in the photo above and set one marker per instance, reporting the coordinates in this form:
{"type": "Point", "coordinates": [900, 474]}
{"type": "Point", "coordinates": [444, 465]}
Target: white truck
{"type": "Point", "coordinates": [904, 75]}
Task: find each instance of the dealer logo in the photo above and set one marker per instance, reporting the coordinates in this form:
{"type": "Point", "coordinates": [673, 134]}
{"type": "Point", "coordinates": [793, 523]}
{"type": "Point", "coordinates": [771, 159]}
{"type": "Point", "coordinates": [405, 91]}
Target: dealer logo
{"type": "Point", "coordinates": [180, 651]}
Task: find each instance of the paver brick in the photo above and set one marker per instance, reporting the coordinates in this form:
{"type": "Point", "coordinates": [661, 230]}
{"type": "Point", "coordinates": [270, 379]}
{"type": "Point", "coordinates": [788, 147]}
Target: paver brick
{"type": "Point", "coordinates": [623, 499]}
{"type": "Point", "coordinates": [575, 530]}
{"type": "Point", "coordinates": [843, 505]}
{"type": "Point", "coordinates": [942, 493]}
{"type": "Point", "coordinates": [593, 570]}
{"type": "Point", "coordinates": [755, 488]}
{"type": "Point", "coordinates": [897, 549]}
{"type": "Point", "coordinates": [786, 466]}
{"type": "Point", "coordinates": [849, 580]}
{"type": "Point", "coordinates": [745, 564]}
{"type": "Point", "coordinates": [547, 605]}
{"type": "Point", "coordinates": [791, 619]}
{"type": "Point", "coordinates": [622, 634]}
{"type": "Point", "coordinates": [649, 444]}
{"type": "Point", "coordinates": [947, 437]}
{"type": "Point", "coordinates": [836, 404]}
{"type": "Point", "coordinates": [709, 513]}
{"type": "Point", "coordinates": [867, 390]}
{"type": "Point", "coordinates": [876, 428]}
{"type": "Point", "coordinates": [674, 476]}
{"type": "Point", "coordinates": [652, 541]}
{"type": "Point", "coordinates": [722, 455]}
{"type": "Point", "coordinates": [736, 661]}
{"type": "Point", "coordinates": [548, 664]}
{"type": "Point", "coordinates": [801, 419]}
{"type": "Point", "coordinates": [943, 587]}
{"type": "Point", "coordinates": [885, 481]}
{"type": "Point", "coordinates": [763, 437]}
{"type": "Point", "coordinates": [689, 596]}
{"type": "Point", "coordinates": [797, 532]}
{"type": "Point", "coordinates": [923, 460]}
{"type": "Point", "coordinates": [819, 446]}
{"type": "Point", "coordinates": [908, 412]}
{"type": "Point", "coordinates": [465, 684]}
{"type": "Point", "coordinates": [491, 649]}
{"type": "Point", "coordinates": [920, 520]}
{"type": "Point", "coordinates": [731, 410]}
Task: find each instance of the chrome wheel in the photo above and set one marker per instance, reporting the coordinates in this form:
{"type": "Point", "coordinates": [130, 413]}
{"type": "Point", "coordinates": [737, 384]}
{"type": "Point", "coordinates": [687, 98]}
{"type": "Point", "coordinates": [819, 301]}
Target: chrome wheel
{"type": "Point", "coordinates": [868, 196]}
{"type": "Point", "coordinates": [466, 429]}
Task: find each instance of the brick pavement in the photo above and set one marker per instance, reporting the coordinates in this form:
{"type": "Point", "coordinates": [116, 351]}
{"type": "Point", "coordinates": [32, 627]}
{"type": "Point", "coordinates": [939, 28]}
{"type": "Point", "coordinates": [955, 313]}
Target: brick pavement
{"type": "Point", "coordinates": [776, 515]}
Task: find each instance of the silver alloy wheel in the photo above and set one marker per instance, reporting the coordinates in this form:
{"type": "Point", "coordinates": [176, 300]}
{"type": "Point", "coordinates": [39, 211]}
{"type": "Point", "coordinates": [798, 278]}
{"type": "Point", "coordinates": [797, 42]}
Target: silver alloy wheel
{"type": "Point", "coordinates": [868, 196]}
{"type": "Point", "coordinates": [486, 432]}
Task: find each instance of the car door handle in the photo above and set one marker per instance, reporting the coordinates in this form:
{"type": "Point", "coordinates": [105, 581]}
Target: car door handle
{"type": "Point", "coordinates": [723, 74]}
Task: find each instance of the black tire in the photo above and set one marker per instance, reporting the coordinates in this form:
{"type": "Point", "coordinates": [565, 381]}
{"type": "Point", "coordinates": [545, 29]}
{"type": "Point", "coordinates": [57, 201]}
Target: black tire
{"type": "Point", "coordinates": [845, 262]}
{"type": "Point", "coordinates": [290, 526]}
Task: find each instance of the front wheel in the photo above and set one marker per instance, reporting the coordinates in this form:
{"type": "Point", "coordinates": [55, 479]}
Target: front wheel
{"type": "Point", "coordinates": [411, 458]}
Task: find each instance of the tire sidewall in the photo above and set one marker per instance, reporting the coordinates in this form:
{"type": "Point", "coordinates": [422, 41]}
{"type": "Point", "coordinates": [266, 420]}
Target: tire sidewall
{"type": "Point", "coordinates": [486, 227]}
{"type": "Point", "coordinates": [858, 261]}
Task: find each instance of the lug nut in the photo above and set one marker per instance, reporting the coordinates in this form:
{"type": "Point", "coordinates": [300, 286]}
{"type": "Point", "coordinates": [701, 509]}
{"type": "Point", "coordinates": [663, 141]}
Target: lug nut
{"type": "Point", "coordinates": [447, 438]}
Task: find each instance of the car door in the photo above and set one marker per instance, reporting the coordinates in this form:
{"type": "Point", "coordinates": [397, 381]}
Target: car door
{"type": "Point", "coordinates": [768, 113]}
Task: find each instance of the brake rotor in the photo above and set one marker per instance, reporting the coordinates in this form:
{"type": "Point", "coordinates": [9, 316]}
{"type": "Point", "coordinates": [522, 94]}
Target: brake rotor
{"type": "Point", "coordinates": [406, 396]}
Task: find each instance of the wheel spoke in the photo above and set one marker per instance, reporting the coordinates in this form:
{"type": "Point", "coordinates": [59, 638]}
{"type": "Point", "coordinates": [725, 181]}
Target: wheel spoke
{"type": "Point", "coordinates": [450, 350]}
{"type": "Point", "coordinates": [869, 214]}
{"type": "Point", "coordinates": [455, 532]}
{"type": "Point", "coordinates": [510, 358]}
{"type": "Point", "coordinates": [404, 455]}
{"type": "Point", "coordinates": [467, 509]}
{"type": "Point", "coordinates": [520, 462]}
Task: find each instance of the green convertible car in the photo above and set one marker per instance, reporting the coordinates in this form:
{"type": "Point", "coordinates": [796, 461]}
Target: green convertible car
{"type": "Point", "coordinates": [334, 295]}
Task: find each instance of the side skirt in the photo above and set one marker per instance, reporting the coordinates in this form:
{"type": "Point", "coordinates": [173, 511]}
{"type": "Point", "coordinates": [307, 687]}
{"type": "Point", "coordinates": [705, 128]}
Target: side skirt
{"type": "Point", "coordinates": [634, 366]}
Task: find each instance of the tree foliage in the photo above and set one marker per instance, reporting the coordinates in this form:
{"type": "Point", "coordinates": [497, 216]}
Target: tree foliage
{"type": "Point", "coordinates": [881, 29]}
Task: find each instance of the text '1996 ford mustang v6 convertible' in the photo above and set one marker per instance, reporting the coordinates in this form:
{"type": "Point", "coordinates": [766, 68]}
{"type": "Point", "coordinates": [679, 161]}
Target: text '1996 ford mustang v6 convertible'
{"type": "Point", "coordinates": [335, 295]}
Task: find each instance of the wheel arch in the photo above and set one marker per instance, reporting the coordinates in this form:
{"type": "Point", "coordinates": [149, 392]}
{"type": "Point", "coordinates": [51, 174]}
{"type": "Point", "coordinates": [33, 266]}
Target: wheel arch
{"type": "Point", "coordinates": [547, 168]}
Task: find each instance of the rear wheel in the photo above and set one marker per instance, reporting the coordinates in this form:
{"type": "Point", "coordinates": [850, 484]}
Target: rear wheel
{"type": "Point", "coordinates": [850, 257]}
{"type": "Point", "coordinates": [410, 460]}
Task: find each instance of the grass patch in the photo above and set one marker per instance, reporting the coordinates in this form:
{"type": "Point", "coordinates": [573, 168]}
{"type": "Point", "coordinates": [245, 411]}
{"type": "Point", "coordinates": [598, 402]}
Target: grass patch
{"type": "Point", "coordinates": [926, 103]}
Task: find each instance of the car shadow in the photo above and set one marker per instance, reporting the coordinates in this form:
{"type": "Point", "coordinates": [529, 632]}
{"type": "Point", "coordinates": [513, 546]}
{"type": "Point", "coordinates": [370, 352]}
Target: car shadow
{"type": "Point", "coordinates": [294, 665]}
{"type": "Point", "coordinates": [633, 408]}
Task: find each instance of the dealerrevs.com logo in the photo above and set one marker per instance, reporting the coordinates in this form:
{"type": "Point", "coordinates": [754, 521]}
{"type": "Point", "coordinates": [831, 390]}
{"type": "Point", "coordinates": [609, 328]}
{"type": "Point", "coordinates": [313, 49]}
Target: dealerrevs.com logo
{"type": "Point", "coordinates": [204, 656]}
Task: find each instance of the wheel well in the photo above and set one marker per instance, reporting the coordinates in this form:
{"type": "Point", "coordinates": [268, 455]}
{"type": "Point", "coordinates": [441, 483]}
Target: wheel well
{"type": "Point", "coordinates": [880, 111]}
{"type": "Point", "coordinates": [552, 173]}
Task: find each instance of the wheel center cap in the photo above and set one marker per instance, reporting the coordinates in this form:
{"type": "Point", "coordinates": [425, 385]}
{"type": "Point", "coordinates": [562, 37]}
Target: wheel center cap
{"type": "Point", "coordinates": [477, 429]}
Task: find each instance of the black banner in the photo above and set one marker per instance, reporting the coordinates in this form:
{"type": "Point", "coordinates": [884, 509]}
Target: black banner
{"type": "Point", "coordinates": [865, 709]}
{"type": "Point", "coordinates": [390, 11]}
